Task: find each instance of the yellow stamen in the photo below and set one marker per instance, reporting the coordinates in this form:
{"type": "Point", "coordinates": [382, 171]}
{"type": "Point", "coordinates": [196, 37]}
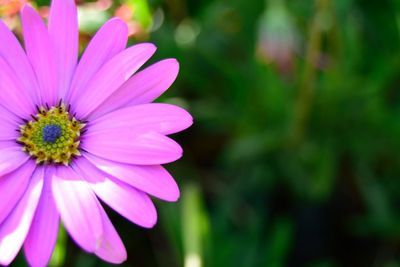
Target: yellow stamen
{"type": "Point", "coordinates": [52, 137]}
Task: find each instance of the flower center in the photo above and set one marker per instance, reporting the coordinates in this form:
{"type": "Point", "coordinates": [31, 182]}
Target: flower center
{"type": "Point", "coordinates": [51, 133]}
{"type": "Point", "coordinates": [52, 136]}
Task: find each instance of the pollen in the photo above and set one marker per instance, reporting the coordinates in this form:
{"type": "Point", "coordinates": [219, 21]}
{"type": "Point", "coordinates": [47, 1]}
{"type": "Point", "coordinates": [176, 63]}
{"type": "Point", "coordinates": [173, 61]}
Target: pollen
{"type": "Point", "coordinates": [52, 136]}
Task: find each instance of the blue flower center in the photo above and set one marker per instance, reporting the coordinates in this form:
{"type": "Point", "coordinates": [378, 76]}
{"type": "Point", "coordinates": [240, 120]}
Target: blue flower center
{"type": "Point", "coordinates": [51, 133]}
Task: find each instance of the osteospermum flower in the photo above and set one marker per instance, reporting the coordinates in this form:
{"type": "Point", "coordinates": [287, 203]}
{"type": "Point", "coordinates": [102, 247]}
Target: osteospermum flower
{"type": "Point", "coordinates": [73, 133]}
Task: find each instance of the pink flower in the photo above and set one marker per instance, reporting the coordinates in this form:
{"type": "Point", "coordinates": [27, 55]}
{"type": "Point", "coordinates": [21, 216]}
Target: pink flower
{"type": "Point", "coordinates": [85, 131]}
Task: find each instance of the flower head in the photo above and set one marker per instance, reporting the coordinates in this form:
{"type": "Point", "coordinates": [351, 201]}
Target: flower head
{"type": "Point", "coordinates": [76, 132]}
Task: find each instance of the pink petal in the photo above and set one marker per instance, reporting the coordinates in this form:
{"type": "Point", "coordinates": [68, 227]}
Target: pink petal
{"type": "Point", "coordinates": [110, 77]}
{"type": "Point", "coordinates": [9, 117]}
{"type": "Point", "coordinates": [78, 208]}
{"type": "Point", "coordinates": [8, 128]}
{"type": "Point", "coordinates": [11, 157]}
{"type": "Point", "coordinates": [8, 133]}
{"type": "Point", "coordinates": [15, 228]}
{"type": "Point", "coordinates": [108, 41]}
{"type": "Point", "coordinates": [143, 87]}
{"type": "Point", "coordinates": [42, 236]}
{"type": "Point", "coordinates": [9, 123]}
{"type": "Point", "coordinates": [13, 186]}
{"type": "Point", "coordinates": [131, 203]}
{"type": "Point", "coordinates": [161, 118]}
{"type": "Point", "coordinates": [134, 148]}
{"type": "Point", "coordinates": [40, 53]}
{"type": "Point", "coordinates": [63, 32]}
{"type": "Point", "coordinates": [9, 144]}
{"type": "Point", "coordinates": [12, 52]}
{"type": "Point", "coordinates": [112, 249]}
{"type": "Point", "coordinates": [12, 96]}
{"type": "Point", "coordinates": [154, 180]}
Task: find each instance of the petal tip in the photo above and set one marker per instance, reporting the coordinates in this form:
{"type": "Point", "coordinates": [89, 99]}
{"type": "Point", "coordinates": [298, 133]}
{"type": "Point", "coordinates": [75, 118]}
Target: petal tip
{"type": "Point", "coordinates": [26, 8]}
{"type": "Point", "coordinates": [174, 197]}
{"type": "Point", "coordinates": [5, 262]}
{"type": "Point", "coordinates": [171, 64]}
{"type": "Point", "coordinates": [150, 47]}
{"type": "Point", "coordinates": [174, 61]}
{"type": "Point", "coordinates": [189, 119]}
{"type": "Point", "coordinates": [65, 2]}
{"type": "Point", "coordinates": [150, 224]}
{"type": "Point", "coordinates": [151, 219]}
{"type": "Point", "coordinates": [118, 22]}
{"type": "Point", "coordinates": [172, 192]}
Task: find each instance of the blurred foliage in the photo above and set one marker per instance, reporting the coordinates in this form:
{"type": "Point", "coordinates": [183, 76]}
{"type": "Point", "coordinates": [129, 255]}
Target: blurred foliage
{"type": "Point", "coordinates": [294, 157]}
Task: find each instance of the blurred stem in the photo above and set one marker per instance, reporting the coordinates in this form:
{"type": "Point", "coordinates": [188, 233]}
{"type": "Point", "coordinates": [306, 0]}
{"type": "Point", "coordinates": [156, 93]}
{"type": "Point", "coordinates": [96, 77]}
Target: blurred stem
{"type": "Point", "coordinates": [193, 222]}
{"type": "Point", "coordinates": [305, 97]}
{"type": "Point", "coordinates": [58, 257]}
{"type": "Point", "coordinates": [279, 243]}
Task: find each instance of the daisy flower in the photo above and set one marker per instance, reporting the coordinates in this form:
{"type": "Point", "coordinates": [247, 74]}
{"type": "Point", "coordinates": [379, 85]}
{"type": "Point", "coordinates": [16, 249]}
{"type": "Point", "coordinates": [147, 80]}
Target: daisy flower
{"type": "Point", "coordinates": [73, 134]}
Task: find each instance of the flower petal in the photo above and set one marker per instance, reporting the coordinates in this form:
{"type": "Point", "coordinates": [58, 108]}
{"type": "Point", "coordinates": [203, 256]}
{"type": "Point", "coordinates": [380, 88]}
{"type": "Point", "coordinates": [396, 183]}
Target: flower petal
{"type": "Point", "coordinates": [63, 32]}
{"type": "Point", "coordinates": [7, 131]}
{"type": "Point", "coordinates": [9, 117]}
{"type": "Point", "coordinates": [40, 53]}
{"type": "Point", "coordinates": [13, 186]}
{"type": "Point", "coordinates": [131, 203]}
{"type": "Point", "coordinates": [111, 76]}
{"type": "Point", "coordinates": [12, 96]}
{"type": "Point", "coordinates": [14, 229]}
{"type": "Point", "coordinates": [8, 125]}
{"type": "Point", "coordinates": [78, 209]}
{"type": "Point", "coordinates": [11, 157]}
{"type": "Point", "coordinates": [143, 87]}
{"type": "Point", "coordinates": [155, 117]}
{"type": "Point", "coordinates": [122, 145]}
{"type": "Point", "coordinates": [112, 249]}
{"type": "Point", "coordinates": [12, 52]}
{"type": "Point", "coordinates": [108, 41]}
{"type": "Point", "coordinates": [153, 179]}
{"type": "Point", "coordinates": [42, 236]}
